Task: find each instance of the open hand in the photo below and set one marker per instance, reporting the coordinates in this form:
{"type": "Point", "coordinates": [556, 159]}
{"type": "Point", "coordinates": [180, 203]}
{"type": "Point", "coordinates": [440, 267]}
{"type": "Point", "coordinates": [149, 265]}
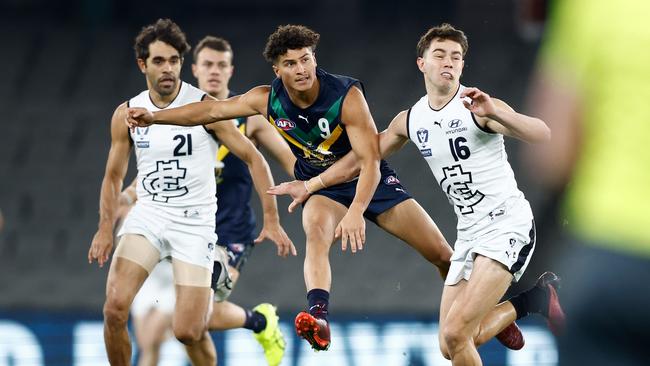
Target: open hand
{"type": "Point", "coordinates": [353, 228]}
{"type": "Point", "coordinates": [296, 189]}
{"type": "Point", "coordinates": [276, 234]}
{"type": "Point", "coordinates": [101, 247]}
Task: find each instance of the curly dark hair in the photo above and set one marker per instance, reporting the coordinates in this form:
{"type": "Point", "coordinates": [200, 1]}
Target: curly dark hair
{"type": "Point", "coordinates": [443, 32]}
{"type": "Point", "coordinates": [213, 43]}
{"type": "Point", "coordinates": [164, 30]}
{"type": "Point", "coordinates": [289, 37]}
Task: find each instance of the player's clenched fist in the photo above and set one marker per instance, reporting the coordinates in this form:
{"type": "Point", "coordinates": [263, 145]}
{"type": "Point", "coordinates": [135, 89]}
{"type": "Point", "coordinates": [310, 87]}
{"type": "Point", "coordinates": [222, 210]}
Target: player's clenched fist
{"type": "Point", "coordinates": [138, 117]}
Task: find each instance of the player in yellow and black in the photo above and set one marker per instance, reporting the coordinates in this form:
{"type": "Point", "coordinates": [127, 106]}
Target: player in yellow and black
{"type": "Point", "coordinates": [323, 117]}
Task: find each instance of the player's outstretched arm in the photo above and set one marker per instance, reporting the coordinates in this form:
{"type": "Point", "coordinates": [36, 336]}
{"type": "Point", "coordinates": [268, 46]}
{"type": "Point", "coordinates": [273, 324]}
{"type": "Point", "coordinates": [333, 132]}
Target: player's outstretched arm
{"type": "Point", "coordinates": [499, 117]}
{"type": "Point", "coordinates": [116, 167]}
{"type": "Point", "coordinates": [244, 149]}
{"type": "Point", "coordinates": [261, 131]}
{"type": "Point", "coordinates": [390, 141]}
{"type": "Point", "coordinates": [205, 112]}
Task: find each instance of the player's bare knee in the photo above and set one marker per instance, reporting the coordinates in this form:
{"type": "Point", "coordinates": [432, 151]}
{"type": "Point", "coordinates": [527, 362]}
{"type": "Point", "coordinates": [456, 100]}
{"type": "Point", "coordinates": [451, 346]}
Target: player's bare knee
{"type": "Point", "coordinates": [443, 347]}
{"type": "Point", "coordinates": [313, 230]}
{"type": "Point", "coordinates": [318, 244]}
{"type": "Point", "coordinates": [189, 335]}
{"type": "Point", "coordinates": [455, 338]}
{"type": "Point", "coordinates": [454, 342]}
{"type": "Point", "coordinates": [115, 313]}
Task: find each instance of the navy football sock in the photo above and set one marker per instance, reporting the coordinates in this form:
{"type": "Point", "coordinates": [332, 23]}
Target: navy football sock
{"type": "Point", "coordinates": [255, 321]}
{"type": "Point", "coordinates": [318, 303]}
{"type": "Point", "coordinates": [530, 301]}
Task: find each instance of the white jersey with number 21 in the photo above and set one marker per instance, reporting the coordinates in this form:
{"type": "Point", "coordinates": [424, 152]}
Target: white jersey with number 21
{"type": "Point", "coordinates": [175, 163]}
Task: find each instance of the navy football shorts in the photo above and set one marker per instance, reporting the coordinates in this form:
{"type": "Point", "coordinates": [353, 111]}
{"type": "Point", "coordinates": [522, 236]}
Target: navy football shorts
{"type": "Point", "coordinates": [389, 193]}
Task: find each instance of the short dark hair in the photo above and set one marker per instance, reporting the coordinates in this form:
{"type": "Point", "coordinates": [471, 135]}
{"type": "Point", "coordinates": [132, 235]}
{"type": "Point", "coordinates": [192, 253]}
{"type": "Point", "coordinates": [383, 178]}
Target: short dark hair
{"type": "Point", "coordinates": [213, 43]}
{"type": "Point", "coordinates": [443, 32]}
{"type": "Point", "coordinates": [289, 37]}
{"type": "Point", "coordinates": [164, 30]}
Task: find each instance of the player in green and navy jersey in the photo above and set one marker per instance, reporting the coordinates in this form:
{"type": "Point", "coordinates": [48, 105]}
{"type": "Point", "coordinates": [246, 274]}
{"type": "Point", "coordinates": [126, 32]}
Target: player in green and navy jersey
{"type": "Point", "coordinates": [323, 117]}
{"type": "Point", "coordinates": [235, 220]}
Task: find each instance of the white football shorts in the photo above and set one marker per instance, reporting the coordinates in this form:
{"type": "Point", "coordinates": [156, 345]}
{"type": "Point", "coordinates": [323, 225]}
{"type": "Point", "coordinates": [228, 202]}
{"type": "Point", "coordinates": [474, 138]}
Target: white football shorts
{"type": "Point", "coordinates": [509, 240]}
{"type": "Point", "coordinates": [186, 234]}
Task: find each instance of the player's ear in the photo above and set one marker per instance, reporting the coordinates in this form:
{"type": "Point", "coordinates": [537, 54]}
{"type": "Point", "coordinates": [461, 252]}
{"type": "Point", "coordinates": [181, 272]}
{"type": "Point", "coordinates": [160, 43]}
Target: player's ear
{"type": "Point", "coordinates": [194, 71]}
{"type": "Point", "coordinates": [276, 70]}
{"type": "Point", "coordinates": [314, 56]}
{"type": "Point", "coordinates": [142, 65]}
{"type": "Point", "coordinates": [420, 62]}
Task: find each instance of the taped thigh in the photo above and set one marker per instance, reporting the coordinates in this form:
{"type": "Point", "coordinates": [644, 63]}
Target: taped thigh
{"type": "Point", "coordinates": [188, 274]}
{"type": "Point", "coordinates": [138, 249]}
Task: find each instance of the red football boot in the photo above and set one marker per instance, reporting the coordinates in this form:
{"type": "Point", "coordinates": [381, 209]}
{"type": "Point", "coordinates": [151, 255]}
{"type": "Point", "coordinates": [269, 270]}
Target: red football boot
{"type": "Point", "coordinates": [511, 337]}
{"type": "Point", "coordinates": [550, 283]}
{"type": "Point", "coordinates": [315, 330]}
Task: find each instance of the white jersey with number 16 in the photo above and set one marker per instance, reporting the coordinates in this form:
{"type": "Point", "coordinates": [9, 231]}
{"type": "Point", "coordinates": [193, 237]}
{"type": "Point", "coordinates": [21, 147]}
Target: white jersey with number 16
{"type": "Point", "coordinates": [469, 162]}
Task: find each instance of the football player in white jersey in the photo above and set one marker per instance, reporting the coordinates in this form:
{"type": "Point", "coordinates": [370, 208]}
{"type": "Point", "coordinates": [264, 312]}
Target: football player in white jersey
{"type": "Point", "coordinates": [459, 131]}
{"type": "Point", "coordinates": [153, 306]}
{"type": "Point", "coordinates": [174, 215]}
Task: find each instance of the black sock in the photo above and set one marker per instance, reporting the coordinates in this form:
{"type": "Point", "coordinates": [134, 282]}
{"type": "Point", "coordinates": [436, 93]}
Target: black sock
{"type": "Point", "coordinates": [533, 300]}
{"type": "Point", "coordinates": [255, 321]}
{"type": "Point", "coordinates": [318, 303]}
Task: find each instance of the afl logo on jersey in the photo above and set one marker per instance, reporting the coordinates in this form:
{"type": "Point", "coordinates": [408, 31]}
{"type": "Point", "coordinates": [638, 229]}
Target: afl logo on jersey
{"type": "Point", "coordinates": [285, 124]}
{"type": "Point", "coordinates": [236, 247]}
{"type": "Point", "coordinates": [391, 180]}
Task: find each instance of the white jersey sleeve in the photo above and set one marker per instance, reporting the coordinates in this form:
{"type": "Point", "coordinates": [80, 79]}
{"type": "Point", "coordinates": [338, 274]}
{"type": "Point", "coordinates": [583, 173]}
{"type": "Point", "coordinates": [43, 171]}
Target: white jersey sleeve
{"type": "Point", "coordinates": [469, 162]}
{"type": "Point", "coordinates": [175, 163]}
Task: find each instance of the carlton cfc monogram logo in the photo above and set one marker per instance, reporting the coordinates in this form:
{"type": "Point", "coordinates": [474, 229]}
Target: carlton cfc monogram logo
{"type": "Point", "coordinates": [285, 124]}
{"type": "Point", "coordinates": [164, 183]}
